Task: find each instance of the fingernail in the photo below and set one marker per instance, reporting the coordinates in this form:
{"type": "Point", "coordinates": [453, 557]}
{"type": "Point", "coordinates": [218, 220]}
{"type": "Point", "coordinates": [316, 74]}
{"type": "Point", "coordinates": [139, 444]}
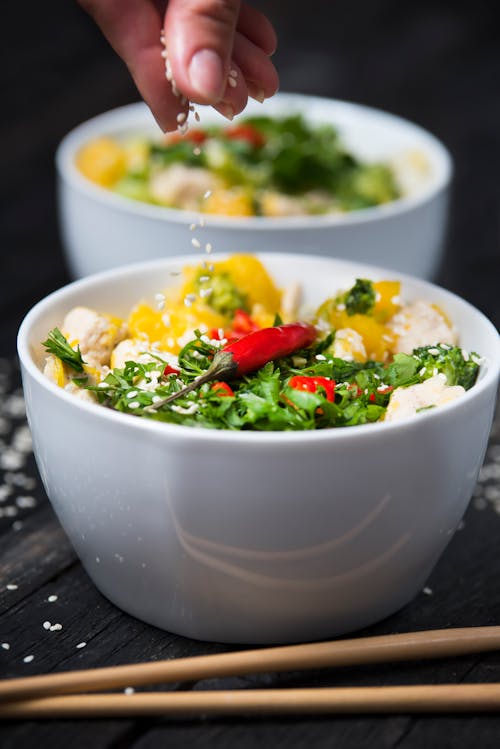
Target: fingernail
{"type": "Point", "coordinates": [256, 93]}
{"type": "Point", "coordinates": [226, 110]}
{"type": "Point", "coordinates": [206, 74]}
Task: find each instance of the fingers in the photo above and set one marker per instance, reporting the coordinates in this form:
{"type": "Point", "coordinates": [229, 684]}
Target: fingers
{"type": "Point", "coordinates": [257, 28]}
{"type": "Point", "coordinates": [133, 27]}
{"type": "Point", "coordinates": [199, 36]}
{"type": "Point", "coordinates": [256, 67]}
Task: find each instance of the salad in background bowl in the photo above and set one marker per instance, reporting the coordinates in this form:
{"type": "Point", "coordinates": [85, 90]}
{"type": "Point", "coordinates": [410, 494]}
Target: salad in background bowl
{"type": "Point", "coordinates": [345, 181]}
{"type": "Point", "coordinates": [241, 535]}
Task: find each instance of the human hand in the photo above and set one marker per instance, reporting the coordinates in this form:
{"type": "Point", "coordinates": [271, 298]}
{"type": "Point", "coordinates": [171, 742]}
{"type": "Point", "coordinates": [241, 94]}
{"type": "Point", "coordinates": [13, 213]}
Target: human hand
{"type": "Point", "coordinates": [205, 40]}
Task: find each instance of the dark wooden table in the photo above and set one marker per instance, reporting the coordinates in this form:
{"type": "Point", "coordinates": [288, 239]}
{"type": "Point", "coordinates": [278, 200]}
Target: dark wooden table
{"type": "Point", "coordinates": [436, 63]}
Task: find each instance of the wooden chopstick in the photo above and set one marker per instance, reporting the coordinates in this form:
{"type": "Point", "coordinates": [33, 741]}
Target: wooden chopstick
{"type": "Point", "coordinates": [358, 651]}
{"type": "Point", "coordinates": [427, 698]}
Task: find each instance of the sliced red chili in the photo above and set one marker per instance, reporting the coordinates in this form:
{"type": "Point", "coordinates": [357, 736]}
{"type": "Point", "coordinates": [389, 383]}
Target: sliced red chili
{"type": "Point", "coordinates": [170, 370]}
{"type": "Point", "coordinates": [243, 323]}
{"type": "Point", "coordinates": [194, 135]}
{"type": "Point", "coordinates": [222, 389]}
{"type": "Point", "coordinates": [247, 133]}
{"type": "Point", "coordinates": [311, 384]}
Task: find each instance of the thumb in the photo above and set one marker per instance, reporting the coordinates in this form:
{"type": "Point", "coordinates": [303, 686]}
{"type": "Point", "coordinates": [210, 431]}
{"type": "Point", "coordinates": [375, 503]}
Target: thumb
{"type": "Point", "coordinates": [199, 36]}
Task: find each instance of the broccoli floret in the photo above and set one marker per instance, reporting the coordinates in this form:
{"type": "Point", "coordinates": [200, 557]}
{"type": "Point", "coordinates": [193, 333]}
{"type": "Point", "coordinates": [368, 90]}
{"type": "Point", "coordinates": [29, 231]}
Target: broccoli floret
{"type": "Point", "coordinates": [460, 368]}
{"type": "Point", "coordinates": [221, 294]}
{"type": "Point", "coordinates": [360, 300]}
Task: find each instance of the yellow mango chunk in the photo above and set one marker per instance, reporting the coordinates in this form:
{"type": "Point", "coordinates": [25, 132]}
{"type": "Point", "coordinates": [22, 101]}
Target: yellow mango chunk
{"type": "Point", "coordinates": [167, 327]}
{"type": "Point", "coordinates": [102, 161]}
{"type": "Point", "coordinates": [388, 300]}
{"type": "Point", "coordinates": [235, 202]}
{"type": "Point", "coordinates": [378, 340]}
{"type": "Point", "coordinates": [250, 276]}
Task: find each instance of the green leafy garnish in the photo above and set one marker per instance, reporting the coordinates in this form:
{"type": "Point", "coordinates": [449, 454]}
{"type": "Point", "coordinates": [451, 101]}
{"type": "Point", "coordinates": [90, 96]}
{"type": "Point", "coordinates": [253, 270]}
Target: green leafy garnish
{"type": "Point", "coordinates": [58, 345]}
{"type": "Point", "coordinates": [360, 300]}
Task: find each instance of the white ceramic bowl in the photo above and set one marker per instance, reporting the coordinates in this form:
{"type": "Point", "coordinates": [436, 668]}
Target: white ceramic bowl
{"type": "Point", "coordinates": [248, 536]}
{"type": "Point", "coordinates": [101, 230]}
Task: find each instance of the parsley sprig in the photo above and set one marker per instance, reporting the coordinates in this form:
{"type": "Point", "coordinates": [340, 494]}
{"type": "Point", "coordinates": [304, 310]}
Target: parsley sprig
{"type": "Point", "coordinates": [58, 345]}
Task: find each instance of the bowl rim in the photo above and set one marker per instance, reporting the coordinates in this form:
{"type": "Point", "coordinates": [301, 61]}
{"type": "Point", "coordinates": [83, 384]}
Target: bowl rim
{"type": "Point", "coordinates": [226, 436]}
{"type": "Point", "coordinates": [441, 160]}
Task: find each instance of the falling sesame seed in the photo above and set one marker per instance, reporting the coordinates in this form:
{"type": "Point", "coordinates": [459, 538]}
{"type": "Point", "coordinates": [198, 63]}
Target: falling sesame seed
{"type": "Point", "coordinates": [12, 586]}
{"type": "Point", "coordinates": [205, 292]}
{"type": "Point", "coordinates": [196, 243]}
{"type": "Point", "coordinates": [56, 627]}
{"type": "Point", "coordinates": [47, 625]}
{"type": "Point", "coordinates": [52, 598]}
{"type": "Point", "coordinates": [232, 82]}
{"type": "Point", "coordinates": [465, 355]}
{"type": "Point", "coordinates": [6, 645]}
{"type": "Point", "coordinates": [196, 150]}
{"type": "Point", "coordinates": [25, 502]}
{"type": "Point", "coordinates": [28, 658]}
{"type": "Point", "coordinates": [81, 645]}
{"type": "Point", "coordinates": [207, 194]}
{"type": "Point", "coordinates": [204, 278]}
{"type": "Point", "coordinates": [197, 116]}
{"type": "Point", "coordinates": [427, 591]}
{"type": "Point", "coordinates": [192, 227]}
{"type": "Point", "coordinates": [181, 117]}
{"type": "Point", "coordinates": [17, 525]}
{"type": "Point", "coordinates": [190, 297]}
{"type": "Point", "coordinates": [233, 73]}
{"type": "Point", "coordinates": [208, 248]}
{"type": "Point", "coordinates": [129, 690]}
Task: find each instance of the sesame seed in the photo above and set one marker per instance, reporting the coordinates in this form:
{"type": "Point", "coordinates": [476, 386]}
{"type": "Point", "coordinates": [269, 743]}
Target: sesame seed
{"type": "Point", "coordinates": [192, 227]}
{"type": "Point", "coordinates": [12, 586]}
{"type": "Point", "coordinates": [25, 502]}
{"type": "Point", "coordinates": [204, 278]}
{"type": "Point", "coordinates": [434, 351]}
{"type": "Point", "coordinates": [196, 242]}
{"type": "Point", "coordinates": [17, 525]}
{"type": "Point", "coordinates": [465, 355]}
{"type": "Point", "coordinates": [134, 404]}
{"type": "Point", "coordinates": [233, 73]}
{"type": "Point", "coordinates": [132, 394]}
{"type": "Point", "coordinates": [320, 357]}
{"type": "Point", "coordinates": [427, 591]}
{"type": "Point", "coordinates": [197, 116]}
{"type": "Point", "coordinates": [56, 627]}
{"type": "Point", "coordinates": [205, 292]}
{"type": "Point", "coordinates": [208, 248]}
{"type": "Point", "coordinates": [196, 150]}
{"type": "Point", "coordinates": [190, 298]}
{"type": "Point", "coordinates": [422, 371]}
{"type": "Point", "coordinates": [102, 385]}
{"type": "Point", "coordinates": [28, 658]}
{"type": "Point", "coordinates": [181, 117]}
{"type": "Point", "coordinates": [81, 645]}
{"type": "Point", "coordinates": [47, 625]}
{"type": "Point", "coordinates": [207, 194]}
{"type": "Point", "coordinates": [202, 221]}
{"type": "Point", "coordinates": [232, 82]}
{"type": "Point", "coordinates": [6, 645]}
{"type": "Point", "coordinates": [52, 598]}
{"type": "Point", "coordinates": [129, 690]}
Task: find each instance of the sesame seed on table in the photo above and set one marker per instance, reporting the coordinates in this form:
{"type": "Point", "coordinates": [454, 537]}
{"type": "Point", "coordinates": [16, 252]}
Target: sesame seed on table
{"type": "Point", "coordinates": [434, 63]}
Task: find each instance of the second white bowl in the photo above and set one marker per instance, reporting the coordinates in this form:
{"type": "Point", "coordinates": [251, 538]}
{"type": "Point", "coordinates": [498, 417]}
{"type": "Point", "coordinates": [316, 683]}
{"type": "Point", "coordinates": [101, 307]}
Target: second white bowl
{"type": "Point", "coordinates": [102, 230]}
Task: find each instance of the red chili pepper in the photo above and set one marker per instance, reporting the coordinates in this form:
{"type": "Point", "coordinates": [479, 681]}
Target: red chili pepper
{"type": "Point", "coordinates": [170, 370]}
{"type": "Point", "coordinates": [372, 397]}
{"type": "Point", "coordinates": [243, 323]}
{"type": "Point", "coordinates": [249, 133]}
{"type": "Point", "coordinates": [223, 389]}
{"type": "Point", "coordinates": [194, 135]}
{"type": "Point", "coordinates": [311, 384]}
{"type": "Point", "coordinates": [250, 353]}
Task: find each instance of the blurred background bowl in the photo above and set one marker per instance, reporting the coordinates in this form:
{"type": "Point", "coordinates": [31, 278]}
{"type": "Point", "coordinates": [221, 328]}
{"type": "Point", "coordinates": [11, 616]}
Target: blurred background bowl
{"type": "Point", "coordinates": [251, 536]}
{"type": "Point", "coordinates": [101, 229]}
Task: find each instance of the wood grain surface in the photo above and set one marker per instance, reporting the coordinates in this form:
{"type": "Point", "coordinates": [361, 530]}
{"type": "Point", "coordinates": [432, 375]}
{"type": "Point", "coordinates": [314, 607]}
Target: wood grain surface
{"type": "Point", "coordinates": [437, 63]}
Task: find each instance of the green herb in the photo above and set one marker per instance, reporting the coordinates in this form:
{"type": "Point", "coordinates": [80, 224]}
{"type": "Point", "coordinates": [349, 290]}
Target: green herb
{"type": "Point", "coordinates": [360, 300]}
{"type": "Point", "coordinates": [222, 295]}
{"type": "Point", "coordinates": [58, 345]}
{"type": "Point", "coordinates": [450, 360]}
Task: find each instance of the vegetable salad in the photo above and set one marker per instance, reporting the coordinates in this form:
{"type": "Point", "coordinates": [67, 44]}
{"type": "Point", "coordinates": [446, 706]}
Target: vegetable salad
{"type": "Point", "coordinates": [262, 166]}
{"type": "Point", "coordinates": [228, 349]}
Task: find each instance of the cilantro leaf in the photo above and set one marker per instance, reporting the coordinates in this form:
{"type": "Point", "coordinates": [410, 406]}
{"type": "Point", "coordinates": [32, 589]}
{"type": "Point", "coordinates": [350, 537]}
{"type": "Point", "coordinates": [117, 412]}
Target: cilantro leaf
{"type": "Point", "coordinates": [58, 345]}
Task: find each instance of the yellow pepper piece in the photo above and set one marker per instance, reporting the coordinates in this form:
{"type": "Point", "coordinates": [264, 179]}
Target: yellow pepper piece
{"type": "Point", "coordinates": [54, 370]}
{"type": "Point", "coordinates": [388, 301]}
{"type": "Point", "coordinates": [250, 276]}
{"type": "Point", "coordinates": [102, 161]}
{"type": "Point", "coordinates": [378, 340]}
{"type": "Point", "coordinates": [228, 203]}
{"type": "Point", "coordinates": [168, 326]}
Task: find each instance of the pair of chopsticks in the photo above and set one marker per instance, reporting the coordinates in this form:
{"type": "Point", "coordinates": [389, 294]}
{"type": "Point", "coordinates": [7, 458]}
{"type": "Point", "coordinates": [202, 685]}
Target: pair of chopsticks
{"type": "Point", "coordinates": [65, 695]}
